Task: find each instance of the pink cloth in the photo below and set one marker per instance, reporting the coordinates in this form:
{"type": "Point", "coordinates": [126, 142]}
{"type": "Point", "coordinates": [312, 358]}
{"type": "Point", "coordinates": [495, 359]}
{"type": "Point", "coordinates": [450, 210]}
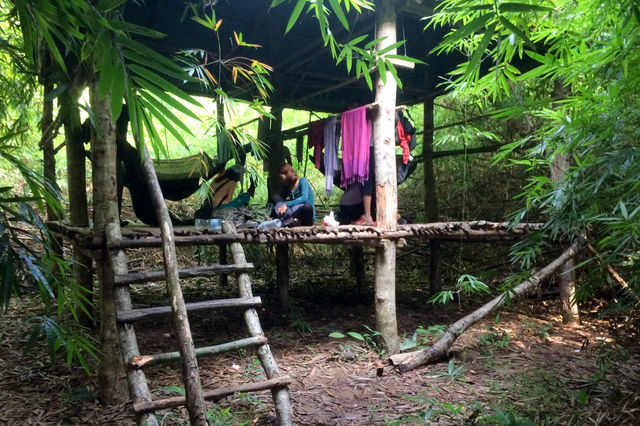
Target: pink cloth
{"type": "Point", "coordinates": [316, 140]}
{"type": "Point", "coordinates": [356, 138]}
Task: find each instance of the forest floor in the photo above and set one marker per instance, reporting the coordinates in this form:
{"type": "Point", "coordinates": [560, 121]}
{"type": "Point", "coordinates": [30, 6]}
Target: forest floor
{"type": "Point", "coordinates": [519, 367]}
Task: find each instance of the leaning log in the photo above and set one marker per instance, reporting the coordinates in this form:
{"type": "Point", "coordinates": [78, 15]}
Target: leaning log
{"type": "Point", "coordinates": [411, 360]}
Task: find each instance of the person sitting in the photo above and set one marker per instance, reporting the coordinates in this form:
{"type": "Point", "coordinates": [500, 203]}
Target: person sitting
{"type": "Point", "coordinates": [295, 205]}
{"type": "Point", "coordinates": [243, 199]}
{"type": "Point", "coordinates": [222, 187]}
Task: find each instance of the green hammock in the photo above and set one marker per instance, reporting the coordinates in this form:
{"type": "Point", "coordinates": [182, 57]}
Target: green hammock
{"type": "Point", "coordinates": [192, 167]}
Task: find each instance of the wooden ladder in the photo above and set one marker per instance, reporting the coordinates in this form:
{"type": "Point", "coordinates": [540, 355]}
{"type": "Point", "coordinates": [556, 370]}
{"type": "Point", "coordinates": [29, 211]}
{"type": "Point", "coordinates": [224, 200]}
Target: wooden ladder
{"type": "Point", "coordinates": [135, 363]}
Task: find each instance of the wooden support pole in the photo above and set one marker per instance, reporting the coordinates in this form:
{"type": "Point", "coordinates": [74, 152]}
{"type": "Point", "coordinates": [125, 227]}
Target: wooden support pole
{"type": "Point", "coordinates": [280, 395]}
{"type": "Point", "coordinates": [270, 132]}
{"type": "Point", "coordinates": [357, 266]}
{"type": "Point", "coordinates": [386, 183]}
{"type": "Point", "coordinates": [430, 196]}
{"type": "Point", "coordinates": [282, 275]}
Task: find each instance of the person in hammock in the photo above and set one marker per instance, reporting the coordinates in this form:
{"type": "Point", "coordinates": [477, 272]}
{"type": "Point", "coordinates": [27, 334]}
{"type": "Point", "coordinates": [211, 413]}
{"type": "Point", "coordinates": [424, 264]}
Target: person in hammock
{"type": "Point", "coordinates": [295, 205]}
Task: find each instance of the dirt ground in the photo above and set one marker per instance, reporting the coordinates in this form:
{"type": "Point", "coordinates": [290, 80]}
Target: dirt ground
{"type": "Point", "coordinates": [518, 366]}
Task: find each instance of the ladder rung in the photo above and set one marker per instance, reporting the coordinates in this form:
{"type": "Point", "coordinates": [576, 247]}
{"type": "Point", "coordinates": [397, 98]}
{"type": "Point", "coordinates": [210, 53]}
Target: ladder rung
{"type": "Point", "coordinates": [202, 271]}
{"type": "Point", "coordinates": [211, 395]}
{"type": "Point", "coordinates": [146, 360]}
{"type": "Point", "coordinates": [145, 313]}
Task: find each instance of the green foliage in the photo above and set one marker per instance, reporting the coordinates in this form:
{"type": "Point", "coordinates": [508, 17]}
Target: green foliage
{"type": "Point", "coordinates": [356, 50]}
{"type": "Point", "coordinates": [466, 284]}
{"type": "Point", "coordinates": [369, 339]}
{"type": "Point", "coordinates": [422, 337]}
{"type": "Point", "coordinates": [580, 88]}
{"type": "Point", "coordinates": [436, 411]}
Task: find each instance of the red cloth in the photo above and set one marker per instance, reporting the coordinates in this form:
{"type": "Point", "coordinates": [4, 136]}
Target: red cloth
{"type": "Point", "coordinates": [404, 142]}
{"type": "Point", "coordinates": [316, 140]}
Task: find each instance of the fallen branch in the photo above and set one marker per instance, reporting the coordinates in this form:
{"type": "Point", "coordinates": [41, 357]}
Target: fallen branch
{"type": "Point", "coordinates": [411, 360]}
{"type": "Point", "coordinates": [615, 275]}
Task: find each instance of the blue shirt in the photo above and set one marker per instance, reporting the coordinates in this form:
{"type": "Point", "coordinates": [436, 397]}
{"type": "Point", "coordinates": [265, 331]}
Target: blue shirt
{"type": "Point", "coordinates": [302, 194]}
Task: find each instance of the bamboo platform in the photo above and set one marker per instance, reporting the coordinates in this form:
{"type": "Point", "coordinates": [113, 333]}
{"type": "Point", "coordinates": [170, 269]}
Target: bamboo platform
{"type": "Point", "coordinates": [137, 237]}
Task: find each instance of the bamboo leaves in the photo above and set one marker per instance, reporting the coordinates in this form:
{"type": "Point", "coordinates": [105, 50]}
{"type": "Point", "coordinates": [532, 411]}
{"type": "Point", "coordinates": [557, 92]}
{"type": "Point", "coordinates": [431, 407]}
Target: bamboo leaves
{"type": "Point", "coordinates": [480, 29]}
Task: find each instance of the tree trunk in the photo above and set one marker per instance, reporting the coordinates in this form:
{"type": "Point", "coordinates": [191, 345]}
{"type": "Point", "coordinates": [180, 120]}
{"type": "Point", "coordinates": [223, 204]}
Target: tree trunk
{"type": "Point", "coordinates": [77, 186]}
{"type": "Point", "coordinates": [386, 184]}
{"type": "Point", "coordinates": [282, 275]}
{"type": "Point", "coordinates": [430, 196]}
{"type": "Point", "coordinates": [567, 279]}
{"type": "Point", "coordinates": [112, 377]}
{"type": "Point", "coordinates": [49, 157]}
{"type": "Point", "coordinates": [357, 267]}
{"type": "Point", "coordinates": [411, 360]}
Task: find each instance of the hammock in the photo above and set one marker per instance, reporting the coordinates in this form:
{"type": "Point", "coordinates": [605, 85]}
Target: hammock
{"type": "Point", "coordinates": [181, 177]}
{"type": "Point", "coordinates": [178, 179]}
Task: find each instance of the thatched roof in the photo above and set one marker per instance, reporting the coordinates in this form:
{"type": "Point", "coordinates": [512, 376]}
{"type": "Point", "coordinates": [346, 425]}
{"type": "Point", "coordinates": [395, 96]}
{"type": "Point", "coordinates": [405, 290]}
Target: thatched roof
{"type": "Point", "coordinates": [304, 74]}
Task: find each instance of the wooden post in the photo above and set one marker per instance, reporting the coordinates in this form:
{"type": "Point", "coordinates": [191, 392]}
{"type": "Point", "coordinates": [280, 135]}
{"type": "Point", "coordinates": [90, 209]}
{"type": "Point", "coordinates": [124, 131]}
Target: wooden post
{"type": "Point", "coordinates": [77, 185]}
{"type": "Point", "coordinates": [430, 195]}
{"type": "Point", "coordinates": [567, 277]}
{"type": "Point", "coordinates": [113, 388]}
{"type": "Point", "coordinates": [357, 266]}
{"type": "Point", "coordinates": [270, 132]}
{"type": "Point", "coordinates": [282, 275]}
{"type": "Point", "coordinates": [386, 184]}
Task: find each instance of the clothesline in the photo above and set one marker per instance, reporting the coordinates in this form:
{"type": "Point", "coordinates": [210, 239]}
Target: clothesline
{"type": "Point", "coordinates": [294, 132]}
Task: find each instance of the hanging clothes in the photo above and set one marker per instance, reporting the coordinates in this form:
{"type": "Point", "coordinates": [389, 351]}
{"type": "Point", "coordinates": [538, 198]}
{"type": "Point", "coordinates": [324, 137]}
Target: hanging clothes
{"type": "Point", "coordinates": [356, 138]}
{"type": "Point", "coordinates": [316, 140]}
{"type": "Point", "coordinates": [331, 144]}
{"type": "Point", "coordinates": [404, 142]}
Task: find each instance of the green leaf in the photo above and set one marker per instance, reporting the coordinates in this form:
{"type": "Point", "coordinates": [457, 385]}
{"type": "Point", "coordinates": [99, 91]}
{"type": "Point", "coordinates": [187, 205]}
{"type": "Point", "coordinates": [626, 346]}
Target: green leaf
{"type": "Point", "coordinates": [107, 5]}
{"type": "Point", "coordinates": [477, 55]}
{"type": "Point", "coordinates": [337, 9]}
{"type": "Point", "coordinates": [337, 335]}
{"type": "Point", "coordinates": [394, 72]}
{"type": "Point", "coordinates": [357, 40]}
{"type": "Point", "coordinates": [165, 85]}
{"type": "Point", "coordinates": [355, 335]}
{"type": "Point", "coordinates": [117, 91]}
{"type": "Point", "coordinates": [390, 48]}
{"type": "Point", "coordinates": [468, 29]}
{"type": "Point", "coordinates": [522, 7]}
{"type": "Point", "coordinates": [405, 58]}
{"type": "Point", "coordinates": [367, 76]}
{"type": "Point", "coordinates": [150, 58]}
{"type": "Point", "coordinates": [382, 70]}
{"type": "Point", "coordinates": [517, 31]}
{"type": "Point", "coordinates": [128, 27]}
{"type": "Point", "coordinates": [295, 14]}
{"type": "Point", "coordinates": [107, 73]}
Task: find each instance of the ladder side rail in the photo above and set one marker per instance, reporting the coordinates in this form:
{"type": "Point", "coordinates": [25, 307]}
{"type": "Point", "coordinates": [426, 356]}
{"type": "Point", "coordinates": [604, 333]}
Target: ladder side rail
{"type": "Point", "coordinates": [138, 386]}
{"type": "Point", "coordinates": [190, 373]}
{"type": "Point", "coordinates": [280, 394]}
